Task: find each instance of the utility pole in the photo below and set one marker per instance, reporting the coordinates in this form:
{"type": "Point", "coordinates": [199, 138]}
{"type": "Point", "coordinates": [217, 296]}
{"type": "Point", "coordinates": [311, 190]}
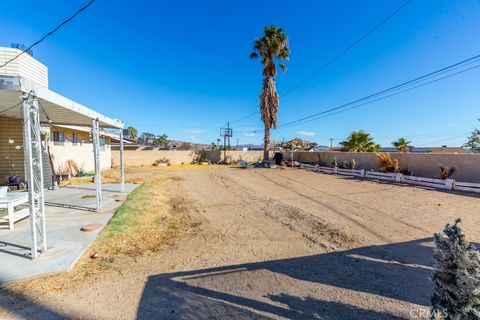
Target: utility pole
{"type": "Point", "coordinates": [331, 143]}
{"type": "Point", "coordinates": [237, 143]}
{"type": "Point", "coordinates": [228, 130]}
{"type": "Point", "coordinates": [226, 133]}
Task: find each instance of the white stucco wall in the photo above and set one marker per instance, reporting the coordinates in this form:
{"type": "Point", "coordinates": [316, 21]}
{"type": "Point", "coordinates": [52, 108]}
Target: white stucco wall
{"type": "Point", "coordinates": [81, 153]}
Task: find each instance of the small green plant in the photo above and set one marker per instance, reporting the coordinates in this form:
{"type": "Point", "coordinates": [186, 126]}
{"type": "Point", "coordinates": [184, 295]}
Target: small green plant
{"type": "Point", "coordinates": [201, 157]}
{"type": "Point", "coordinates": [456, 276]}
{"type": "Point", "coordinates": [161, 161]}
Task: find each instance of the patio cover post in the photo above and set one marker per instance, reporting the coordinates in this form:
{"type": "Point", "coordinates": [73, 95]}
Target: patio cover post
{"type": "Point", "coordinates": [27, 143]}
{"type": "Point", "coordinates": [122, 164]}
{"type": "Point", "coordinates": [40, 189]}
{"type": "Point", "coordinates": [96, 155]}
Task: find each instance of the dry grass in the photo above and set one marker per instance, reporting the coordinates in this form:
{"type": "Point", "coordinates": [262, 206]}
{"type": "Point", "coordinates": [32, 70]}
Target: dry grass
{"type": "Point", "coordinates": [147, 221]}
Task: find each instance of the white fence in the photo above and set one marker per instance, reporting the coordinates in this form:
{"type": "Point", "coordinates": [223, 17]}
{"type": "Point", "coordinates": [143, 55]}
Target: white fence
{"type": "Point", "coordinates": [447, 184]}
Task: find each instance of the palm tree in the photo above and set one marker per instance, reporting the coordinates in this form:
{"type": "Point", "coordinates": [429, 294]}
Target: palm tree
{"type": "Point", "coordinates": [402, 145]}
{"type": "Point", "coordinates": [272, 48]}
{"type": "Point", "coordinates": [359, 141]}
{"type": "Point", "coordinates": [133, 133]}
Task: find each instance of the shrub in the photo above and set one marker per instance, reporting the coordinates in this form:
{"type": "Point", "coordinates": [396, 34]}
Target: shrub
{"type": "Point", "coordinates": [456, 276]}
{"type": "Point", "coordinates": [200, 157]}
{"type": "Point", "coordinates": [163, 160]}
{"type": "Point", "coordinates": [446, 172]}
{"type": "Point", "coordinates": [386, 163]}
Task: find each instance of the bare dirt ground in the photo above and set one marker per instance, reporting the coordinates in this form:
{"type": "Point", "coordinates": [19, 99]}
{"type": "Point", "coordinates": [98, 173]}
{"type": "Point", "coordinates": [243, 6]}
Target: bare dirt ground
{"type": "Point", "coordinates": [268, 244]}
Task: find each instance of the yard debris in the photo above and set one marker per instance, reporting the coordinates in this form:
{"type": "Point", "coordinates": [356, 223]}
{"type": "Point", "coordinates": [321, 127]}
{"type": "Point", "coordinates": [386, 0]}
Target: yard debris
{"type": "Point", "coordinates": [94, 255]}
{"type": "Point", "coordinates": [297, 144]}
{"type": "Point", "coordinates": [91, 227]}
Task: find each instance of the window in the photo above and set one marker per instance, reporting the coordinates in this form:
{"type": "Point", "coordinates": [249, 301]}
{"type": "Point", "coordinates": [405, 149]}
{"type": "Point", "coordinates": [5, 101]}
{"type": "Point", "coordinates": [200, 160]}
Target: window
{"type": "Point", "coordinates": [75, 139]}
{"type": "Point", "coordinates": [58, 138]}
{"type": "Point", "coordinates": [101, 142]}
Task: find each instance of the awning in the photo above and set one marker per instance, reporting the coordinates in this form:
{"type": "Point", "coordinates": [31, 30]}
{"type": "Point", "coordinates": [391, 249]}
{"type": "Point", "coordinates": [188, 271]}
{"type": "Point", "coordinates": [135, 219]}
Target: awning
{"type": "Point", "coordinates": [58, 109]}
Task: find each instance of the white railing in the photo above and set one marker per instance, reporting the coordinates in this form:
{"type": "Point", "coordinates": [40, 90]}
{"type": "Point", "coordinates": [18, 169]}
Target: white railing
{"type": "Point", "coordinates": [447, 184]}
{"type": "Point", "coordinates": [466, 186]}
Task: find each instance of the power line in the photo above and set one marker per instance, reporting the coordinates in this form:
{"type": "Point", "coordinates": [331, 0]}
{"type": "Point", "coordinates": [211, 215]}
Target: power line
{"type": "Point", "coordinates": [342, 108]}
{"type": "Point", "coordinates": [442, 140]}
{"type": "Point", "coordinates": [350, 47]}
{"type": "Point", "coordinates": [338, 56]}
{"type": "Point", "coordinates": [327, 113]}
{"type": "Point", "coordinates": [51, 32]}
{"type": "Point", "coordinates": [10, 108]}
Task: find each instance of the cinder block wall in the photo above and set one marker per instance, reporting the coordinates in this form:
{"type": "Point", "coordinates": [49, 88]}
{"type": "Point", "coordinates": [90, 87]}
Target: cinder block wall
{"type": "Point", "coordinates": [422, 164]}
{"type": "Point", "coordinates": [236, 155]}
{"type": "Point", "coordinates": [142, 157]}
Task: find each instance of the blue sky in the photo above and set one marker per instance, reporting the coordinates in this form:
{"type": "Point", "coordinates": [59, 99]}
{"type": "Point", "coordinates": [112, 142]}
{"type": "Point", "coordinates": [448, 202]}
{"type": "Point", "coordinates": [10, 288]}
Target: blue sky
{"type": "Point", "coordinates": [182, 67]}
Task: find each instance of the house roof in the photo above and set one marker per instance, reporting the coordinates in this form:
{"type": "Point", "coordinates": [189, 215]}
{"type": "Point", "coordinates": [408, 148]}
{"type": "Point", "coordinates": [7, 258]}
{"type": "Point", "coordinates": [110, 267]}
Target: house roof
{"type": "Point", "coordinates": [85, 129]}
{"type": "Point", "coordinates": [59, 109]}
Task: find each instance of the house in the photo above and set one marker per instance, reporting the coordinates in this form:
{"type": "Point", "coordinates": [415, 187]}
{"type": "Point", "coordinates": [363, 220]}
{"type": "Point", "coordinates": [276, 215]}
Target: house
{"type": "Point", "coordinates": [29, 108]}
{"type": "Point", "coordinates": [67, 142]}
{"type": "Point", "coordinates": [65, 125]}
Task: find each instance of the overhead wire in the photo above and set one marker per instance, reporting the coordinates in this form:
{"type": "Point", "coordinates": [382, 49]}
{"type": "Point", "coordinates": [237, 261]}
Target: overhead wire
{"type": "Point", "coordinates": [337, 56]}
{"type": "Point", "coordinates": [79, 11]}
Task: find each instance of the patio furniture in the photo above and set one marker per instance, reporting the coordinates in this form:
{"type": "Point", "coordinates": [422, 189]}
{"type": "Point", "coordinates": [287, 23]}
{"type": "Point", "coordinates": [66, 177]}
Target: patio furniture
{"type": "Point", "coordinates": [9, 202]}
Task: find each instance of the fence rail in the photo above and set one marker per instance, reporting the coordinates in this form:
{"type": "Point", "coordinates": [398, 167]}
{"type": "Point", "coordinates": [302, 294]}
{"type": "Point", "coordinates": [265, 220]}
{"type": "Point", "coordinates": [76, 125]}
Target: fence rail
{"type": "Point", "coordinates": [448, 184]}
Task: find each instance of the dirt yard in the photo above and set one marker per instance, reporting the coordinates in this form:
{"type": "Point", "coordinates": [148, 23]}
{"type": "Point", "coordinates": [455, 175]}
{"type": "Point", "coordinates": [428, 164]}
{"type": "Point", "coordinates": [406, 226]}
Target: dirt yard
{"type": "Point", "coordinates": [265, 244]}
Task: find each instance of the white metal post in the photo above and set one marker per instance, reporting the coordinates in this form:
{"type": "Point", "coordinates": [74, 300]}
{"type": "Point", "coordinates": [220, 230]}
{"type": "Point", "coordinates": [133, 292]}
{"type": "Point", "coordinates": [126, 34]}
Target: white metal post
{"type": "Point", "coordinates": [96, 155]}
{"type": "Point", "coordinates": [37, 144]}
{"type": "Point", "coordinates": [27, 143]}
{"type": "Point", "coordinates": [122, 164]}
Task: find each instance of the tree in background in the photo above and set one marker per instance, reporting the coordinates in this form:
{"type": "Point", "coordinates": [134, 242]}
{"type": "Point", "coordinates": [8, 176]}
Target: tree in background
{"type": "Point", "coordinates": [456, 276]}
{"type": "Point", "coordinates": [161, 140]}
{"type": "Point", "coordinates": [473, 142]}
{"type": "Point", "coordinates": [185, 146]}
{"type": "Point", "coordinates": [402, 145]}
{"type": "Point", "coordinates": [147, 138]}
{"type": "Point", "coordinates": [271, 47]}
{"type": "Point", "coordinates": [359, 141]}
{"type": "Point", "coordinates": [133, 133]}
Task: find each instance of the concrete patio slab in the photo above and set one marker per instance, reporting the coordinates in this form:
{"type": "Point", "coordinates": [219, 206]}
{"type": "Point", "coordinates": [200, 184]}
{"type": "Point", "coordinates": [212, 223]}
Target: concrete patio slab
{"type": "Point", "coordinates": [67, 210]}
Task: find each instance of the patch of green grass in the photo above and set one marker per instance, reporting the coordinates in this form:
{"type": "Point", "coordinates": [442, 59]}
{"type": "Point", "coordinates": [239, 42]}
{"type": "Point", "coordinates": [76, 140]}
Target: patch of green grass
{"type": "Point", "coordinates": [127, 215]}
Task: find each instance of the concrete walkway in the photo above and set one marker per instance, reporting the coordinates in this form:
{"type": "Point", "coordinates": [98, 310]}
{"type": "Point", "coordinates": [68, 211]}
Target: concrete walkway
{"type": "Point", "coordinates": [67, 210]}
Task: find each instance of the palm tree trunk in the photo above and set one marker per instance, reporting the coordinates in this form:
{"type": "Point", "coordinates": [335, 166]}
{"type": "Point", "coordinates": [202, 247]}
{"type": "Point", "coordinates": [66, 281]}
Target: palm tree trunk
{"type": "Point", "coordinates": [266, 142]}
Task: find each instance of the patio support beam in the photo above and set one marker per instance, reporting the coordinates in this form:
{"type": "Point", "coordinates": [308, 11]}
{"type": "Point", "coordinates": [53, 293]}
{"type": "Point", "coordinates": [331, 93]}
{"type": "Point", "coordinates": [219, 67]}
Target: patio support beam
{"type": "Point", "coordinates": [32, 148]}
{"type": "Point", "coordinates": [40, 186]}
{"type": "Point", "coordinates": [122, 163]}
{"type": "Point", "coordinates": [96, 155]}
{"type": "Point", "coordinates": [27, 148]}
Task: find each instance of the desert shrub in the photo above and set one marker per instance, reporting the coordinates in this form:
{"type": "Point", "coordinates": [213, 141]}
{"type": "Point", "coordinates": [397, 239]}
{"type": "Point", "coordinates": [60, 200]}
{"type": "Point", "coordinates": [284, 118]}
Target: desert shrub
{"type": "Point", "coordinates": [200, 157]}
{"type": "Point", "coordinates": [163, 160]}
{"type": "Point", "coordinates": [456, 276]}
{"type": "Point", "coordinates": [446, 172]}
{"type": "Point", "coordinates": [345, 164]}
{"type": "Point", "coordinates": [386, 163]}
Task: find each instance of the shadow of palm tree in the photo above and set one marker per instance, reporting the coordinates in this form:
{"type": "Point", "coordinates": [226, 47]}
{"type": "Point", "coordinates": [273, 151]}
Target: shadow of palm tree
{"type": "Point", "coordinates": [397, 271]}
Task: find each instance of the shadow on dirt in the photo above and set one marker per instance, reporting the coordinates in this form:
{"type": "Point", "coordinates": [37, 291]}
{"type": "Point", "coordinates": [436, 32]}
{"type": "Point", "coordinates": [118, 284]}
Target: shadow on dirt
{"type": "Point", "coordinates": [398, 271]}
